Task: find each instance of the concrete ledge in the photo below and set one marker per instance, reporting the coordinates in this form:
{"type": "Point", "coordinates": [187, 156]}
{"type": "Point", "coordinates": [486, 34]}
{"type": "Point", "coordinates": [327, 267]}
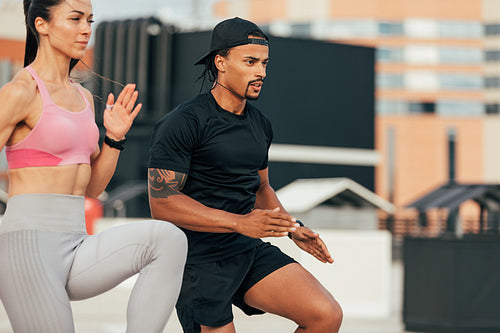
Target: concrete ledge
{"type": "Point", "coordinates": [360, 278]}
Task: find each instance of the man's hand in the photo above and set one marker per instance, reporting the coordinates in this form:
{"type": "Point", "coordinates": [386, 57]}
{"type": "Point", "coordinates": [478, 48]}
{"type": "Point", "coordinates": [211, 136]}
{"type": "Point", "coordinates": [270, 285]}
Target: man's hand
{"type": "Point", "coordinates": [310, 242]}
{"type": "Point", "coordinates": [266, 223]}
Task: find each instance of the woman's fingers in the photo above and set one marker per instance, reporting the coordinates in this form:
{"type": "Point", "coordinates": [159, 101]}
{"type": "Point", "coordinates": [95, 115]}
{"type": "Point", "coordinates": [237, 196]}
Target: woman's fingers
{"type": "Point", "coordinates": [111, 99]}
{"type": "Point", "coordinates": [132, 100]}
{"type": "Point", "coordinates": [127, 99]}
{"type": "Point", "coordinates": [123, 93]}
{"type": "Point", "coordinates": [136, 111]}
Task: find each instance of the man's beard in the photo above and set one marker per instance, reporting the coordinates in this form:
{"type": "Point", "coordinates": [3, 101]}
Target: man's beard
{"type": "Point", "coordinates": [253, 98]}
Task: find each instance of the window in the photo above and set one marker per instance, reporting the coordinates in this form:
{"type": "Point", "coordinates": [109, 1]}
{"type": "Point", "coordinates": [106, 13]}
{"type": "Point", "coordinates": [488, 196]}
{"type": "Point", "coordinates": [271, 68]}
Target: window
{"type": "Point", "coordinates": [460, 55]}
{"type": "Point", "coordinates": [492, 108]}
{"type": "Point", "coordinates": [492, 56]}
{"type": "Point", "coordinates": [460, 29]}
{"type": "Point", "coordinates": [422, 80]}
{"type": "Point", "coordinates": [421, 28]}
{"type": "Point", "coordinates": [492, 82]}
{"type": "Point", "coordinates": [345, 29]}
{"type": "Point", "coordinates": [391, 28]}
{"type": "Point", "coordinates": [492, 29]}
{"type": "Point", "coordinates": [266, 28]}
{"type": "Point", "coordinates": [422, 54]}
{"type": "Point", "coordinates": [5, 72]}
{"type": "Point", "coordinates": [390, 54]}
{"type": "Point", "coordinates": [459, 108]}
{"type": "Point", "coordinates": [279, 28]}
{"type": "Point", "coordinates": [391, 107]}
{"type": "Point", "coordinates": [390, 80]}
{"type": "Point", "coordinates": [452, 81]}
{"type": "Point", "coordinates": [422, 107]}
{"type": "Point", "coordinates": [301, 30]}
{"type": "Point", "coordinates": [441, 107]}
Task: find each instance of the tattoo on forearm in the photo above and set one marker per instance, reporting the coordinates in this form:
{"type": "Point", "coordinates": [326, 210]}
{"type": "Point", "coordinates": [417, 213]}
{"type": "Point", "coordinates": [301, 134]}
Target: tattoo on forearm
{"type": "Point", "coordinates": [164, 183]}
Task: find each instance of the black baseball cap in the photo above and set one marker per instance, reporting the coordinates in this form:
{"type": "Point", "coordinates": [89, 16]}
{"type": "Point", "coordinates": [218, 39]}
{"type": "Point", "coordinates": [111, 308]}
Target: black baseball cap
{"type": "Point", "coordinates": [230, 33]}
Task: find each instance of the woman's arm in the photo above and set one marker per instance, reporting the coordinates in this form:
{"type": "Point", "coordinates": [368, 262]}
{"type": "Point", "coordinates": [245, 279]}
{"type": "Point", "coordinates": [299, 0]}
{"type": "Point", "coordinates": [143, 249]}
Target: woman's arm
{"type": "Point", "coordinates": [117, 121]}
{"type": "Point", "coordinates": [16, 102]}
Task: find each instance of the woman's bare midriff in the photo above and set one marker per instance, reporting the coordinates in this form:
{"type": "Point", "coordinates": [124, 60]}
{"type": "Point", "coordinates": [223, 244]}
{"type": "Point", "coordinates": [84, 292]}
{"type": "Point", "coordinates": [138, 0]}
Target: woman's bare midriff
{"type": "Point", "coordinates": [68, 179]}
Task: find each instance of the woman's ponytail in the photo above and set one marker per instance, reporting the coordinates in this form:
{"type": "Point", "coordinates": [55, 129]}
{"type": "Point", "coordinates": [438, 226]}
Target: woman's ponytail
{"type": "Point", "coordinates": [31, 46]}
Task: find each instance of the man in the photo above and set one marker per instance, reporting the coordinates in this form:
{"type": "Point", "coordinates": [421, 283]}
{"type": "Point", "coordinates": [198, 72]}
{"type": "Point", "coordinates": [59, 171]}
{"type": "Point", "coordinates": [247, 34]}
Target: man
{"type": "Point", "coordinates": [208, 175]}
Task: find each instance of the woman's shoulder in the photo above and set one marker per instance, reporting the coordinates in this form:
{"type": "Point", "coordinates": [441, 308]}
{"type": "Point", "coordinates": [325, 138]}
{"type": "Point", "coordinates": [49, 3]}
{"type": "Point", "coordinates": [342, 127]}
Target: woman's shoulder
{"type": "Point", "coordinates": [88, 95]}
{"type": "Point", "coordinates": [18, 98]}
{"type": "Point", "coordinates": [21, 90]}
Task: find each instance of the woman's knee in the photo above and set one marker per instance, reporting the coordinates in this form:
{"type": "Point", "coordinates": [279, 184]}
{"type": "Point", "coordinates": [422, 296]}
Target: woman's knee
{"type": "Point", "coordinates": [170, 238]}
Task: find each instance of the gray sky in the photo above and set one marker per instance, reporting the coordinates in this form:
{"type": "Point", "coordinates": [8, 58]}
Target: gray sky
{"type": "Point", "coordinates": [172, 10]}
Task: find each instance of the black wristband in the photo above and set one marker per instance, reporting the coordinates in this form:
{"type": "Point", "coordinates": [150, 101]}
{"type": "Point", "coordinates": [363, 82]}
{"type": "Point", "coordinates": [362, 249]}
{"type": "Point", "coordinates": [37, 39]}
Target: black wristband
{"type": "Point", "coordinates": [114, 144]}
{"type": "Point", "coordinates": [300, 223]}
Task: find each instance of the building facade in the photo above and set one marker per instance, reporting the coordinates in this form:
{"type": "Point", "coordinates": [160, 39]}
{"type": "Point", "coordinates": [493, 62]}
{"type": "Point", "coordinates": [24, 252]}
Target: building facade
{"type": "Point", "coordinates": [437, 81]}
{"type": "Point", "coordinates": [437, 78]}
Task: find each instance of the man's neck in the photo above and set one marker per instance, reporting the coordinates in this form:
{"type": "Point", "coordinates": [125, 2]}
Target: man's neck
{"type": "Point", "coordinates": [228, 100]}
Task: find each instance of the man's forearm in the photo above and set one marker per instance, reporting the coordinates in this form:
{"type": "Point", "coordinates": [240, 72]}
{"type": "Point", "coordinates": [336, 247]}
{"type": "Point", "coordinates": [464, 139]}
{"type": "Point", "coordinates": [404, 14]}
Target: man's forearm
{"type": "Point", "coordinates": [266, 198]}
{"type": "Point", "coordinates": [168, 203]}
{"type": "Point", "coordinates": [190, 214]}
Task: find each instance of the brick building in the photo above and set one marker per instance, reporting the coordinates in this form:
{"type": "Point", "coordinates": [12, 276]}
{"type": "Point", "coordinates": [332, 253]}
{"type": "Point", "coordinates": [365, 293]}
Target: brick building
{"type": "Point", "coordinates": [438, 82]}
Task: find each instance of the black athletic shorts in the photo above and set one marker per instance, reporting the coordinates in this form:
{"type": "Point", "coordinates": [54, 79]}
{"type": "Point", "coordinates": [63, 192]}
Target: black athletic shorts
{"type": "Point", "coordinates": [209, 289]}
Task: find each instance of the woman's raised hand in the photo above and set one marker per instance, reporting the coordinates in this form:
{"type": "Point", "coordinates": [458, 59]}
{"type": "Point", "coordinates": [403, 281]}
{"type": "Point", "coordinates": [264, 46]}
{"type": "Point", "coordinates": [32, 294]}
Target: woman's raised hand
{"type": "Point", "coordinates": [120, 114]}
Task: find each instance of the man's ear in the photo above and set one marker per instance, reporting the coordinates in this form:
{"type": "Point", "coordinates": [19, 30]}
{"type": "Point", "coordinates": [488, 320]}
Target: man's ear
{"type": "Point", "coordinates": [220, 63]}
{"type": "Point", "coordinates": [41, 26]}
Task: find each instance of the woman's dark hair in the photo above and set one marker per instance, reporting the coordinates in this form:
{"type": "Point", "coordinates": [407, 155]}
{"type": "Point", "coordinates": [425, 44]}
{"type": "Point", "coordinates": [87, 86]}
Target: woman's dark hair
{"type": "Point", "coordinates": [32, 10]}
{"type": "Point", "coordinates": [210, 72]}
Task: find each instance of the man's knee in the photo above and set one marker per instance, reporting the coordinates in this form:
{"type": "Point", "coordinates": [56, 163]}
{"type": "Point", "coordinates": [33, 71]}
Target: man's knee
{"type": "Point", "coordinates": [333, 315]}
{"type": "Point", "coordinates": [326, 316]}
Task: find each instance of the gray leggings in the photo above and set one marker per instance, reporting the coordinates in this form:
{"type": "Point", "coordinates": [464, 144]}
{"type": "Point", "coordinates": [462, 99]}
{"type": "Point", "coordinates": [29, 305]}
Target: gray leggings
{"type": "Point", "coordinates": [47, 259]}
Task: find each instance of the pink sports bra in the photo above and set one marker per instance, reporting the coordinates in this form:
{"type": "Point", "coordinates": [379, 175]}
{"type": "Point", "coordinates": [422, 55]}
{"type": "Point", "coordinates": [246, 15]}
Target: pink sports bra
{"type": "Point", "coordinates": [60, 137]}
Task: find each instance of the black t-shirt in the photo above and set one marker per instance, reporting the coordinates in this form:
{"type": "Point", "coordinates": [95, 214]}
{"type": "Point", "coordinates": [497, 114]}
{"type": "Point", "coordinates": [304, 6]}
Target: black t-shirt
{"type": "Point", "coordinates": [221, 153]}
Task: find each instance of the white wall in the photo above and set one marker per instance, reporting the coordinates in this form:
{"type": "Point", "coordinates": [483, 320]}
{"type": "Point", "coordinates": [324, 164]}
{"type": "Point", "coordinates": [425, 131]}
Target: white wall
{"type": "Point", "coordinates": [491, 158]}
{"type": "Point", "coordinates": [360, 277]}
{"type": "Point", "coordinates": [348, 218]}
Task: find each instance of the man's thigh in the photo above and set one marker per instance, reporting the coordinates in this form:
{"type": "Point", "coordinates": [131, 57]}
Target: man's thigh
{"type": "Point", "coordinates": [207, 292]}
{"type": "Point", "coordinates": [291, 292]}
{"type": "Point", "coordinates": [210, 289]}
{"type": "Point", "coordinates": [266, 259]}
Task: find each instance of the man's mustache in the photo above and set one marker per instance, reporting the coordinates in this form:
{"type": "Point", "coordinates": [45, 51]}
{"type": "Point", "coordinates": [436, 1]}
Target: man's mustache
{"type": "Point", "coordinates": [255, 81]}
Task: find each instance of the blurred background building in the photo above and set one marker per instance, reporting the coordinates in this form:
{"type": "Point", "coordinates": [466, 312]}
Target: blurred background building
{"type": "Point", "coordinates": [437, 82]}
{"type": "Point", "coordinates": [437, 97]}
{"type": "Point", "coordinates": [414, 106]}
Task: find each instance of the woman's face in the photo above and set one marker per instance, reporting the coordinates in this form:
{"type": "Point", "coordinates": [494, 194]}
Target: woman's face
{"type": "Point", "coordinates": [69, 28]}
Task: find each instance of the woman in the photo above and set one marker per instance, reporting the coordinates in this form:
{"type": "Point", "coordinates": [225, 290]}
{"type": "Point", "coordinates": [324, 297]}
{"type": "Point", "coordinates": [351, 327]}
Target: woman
{"type": "Point", "coordinates": [47, 125]}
